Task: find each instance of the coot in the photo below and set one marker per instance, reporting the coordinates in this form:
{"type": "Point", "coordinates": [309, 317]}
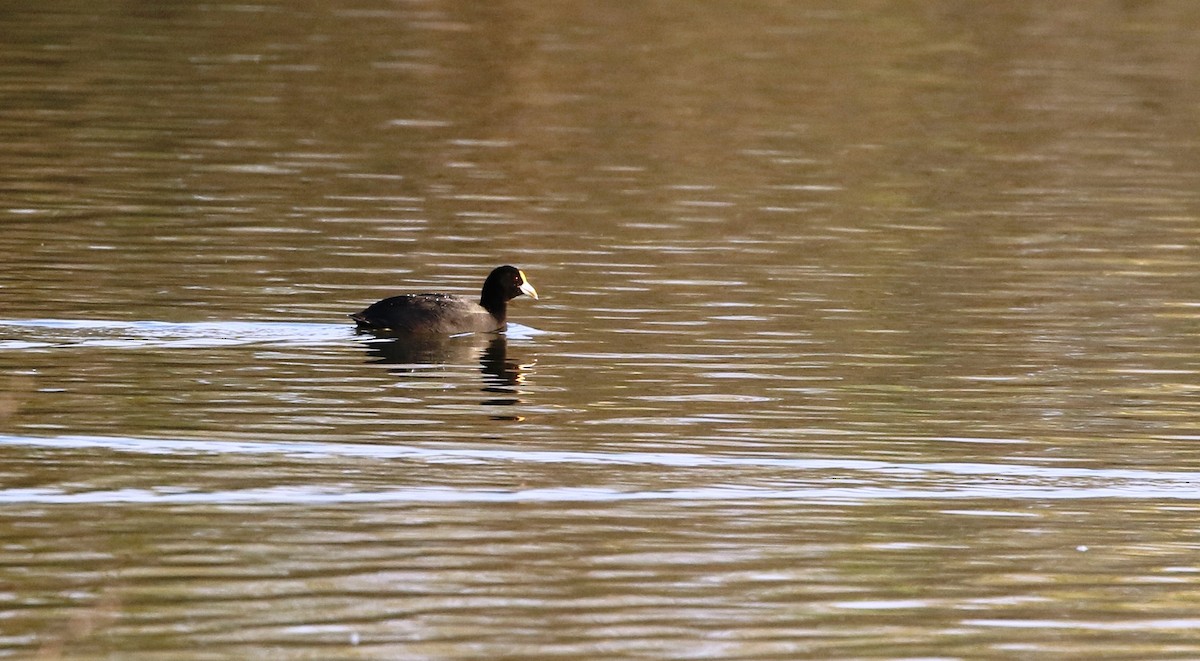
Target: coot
{"type": "Point", "coordinates": [446, 314]}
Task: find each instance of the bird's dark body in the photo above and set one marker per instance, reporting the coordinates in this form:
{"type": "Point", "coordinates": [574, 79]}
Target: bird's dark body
{"type": "Point", "coordinates": [441, 314]}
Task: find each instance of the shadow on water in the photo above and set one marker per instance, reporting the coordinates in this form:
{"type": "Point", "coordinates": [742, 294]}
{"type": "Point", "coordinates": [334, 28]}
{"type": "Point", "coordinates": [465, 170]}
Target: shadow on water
{"type": "Point", "coordinates": [412, 356]}
{"type": "Point", "coordinates": [407, 356]}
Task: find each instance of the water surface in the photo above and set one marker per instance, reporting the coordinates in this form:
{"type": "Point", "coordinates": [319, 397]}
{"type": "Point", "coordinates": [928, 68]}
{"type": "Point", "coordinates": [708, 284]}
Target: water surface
{"type": "Point", "coordinates": [866, 331]}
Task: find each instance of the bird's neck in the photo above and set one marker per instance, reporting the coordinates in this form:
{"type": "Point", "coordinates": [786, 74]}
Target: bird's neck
{"type": "Point", "coordinates": [498, 307]}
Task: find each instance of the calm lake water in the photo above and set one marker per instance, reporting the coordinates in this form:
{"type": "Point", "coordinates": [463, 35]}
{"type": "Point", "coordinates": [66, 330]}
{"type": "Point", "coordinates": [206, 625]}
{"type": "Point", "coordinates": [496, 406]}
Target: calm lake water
{"type": "Point", "coordinates": [867, 330]}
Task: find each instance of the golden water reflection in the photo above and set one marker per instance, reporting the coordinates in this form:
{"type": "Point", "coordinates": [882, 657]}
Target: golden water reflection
{"type": "Point", "coordinates": [866, 329]}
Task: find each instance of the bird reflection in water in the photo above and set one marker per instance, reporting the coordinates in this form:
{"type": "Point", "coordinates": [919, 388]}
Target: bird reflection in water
{"type": "Point", "coordinates": [502, 376]}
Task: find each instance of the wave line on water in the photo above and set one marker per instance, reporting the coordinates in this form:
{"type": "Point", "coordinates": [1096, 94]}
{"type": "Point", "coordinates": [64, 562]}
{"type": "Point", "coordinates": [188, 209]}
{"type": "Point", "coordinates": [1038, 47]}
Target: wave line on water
{"type": "Point", "coordinates": [30, 334]}
{"type": "Point", "coordinates": [435, 495]}
{"type": "Point", "coordinates": [56, 333]}
{"type": "Point", "coordinates": [680, 460]}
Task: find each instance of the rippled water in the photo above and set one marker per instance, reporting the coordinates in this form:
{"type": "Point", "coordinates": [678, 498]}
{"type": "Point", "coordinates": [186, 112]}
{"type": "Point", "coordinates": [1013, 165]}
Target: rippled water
{"type": "Point", "coordinates": [865, 331]}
